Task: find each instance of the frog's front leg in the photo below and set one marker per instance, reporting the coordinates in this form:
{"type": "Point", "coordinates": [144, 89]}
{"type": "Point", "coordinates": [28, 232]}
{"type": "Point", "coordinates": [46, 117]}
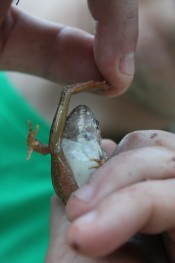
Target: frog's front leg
{"type": "Point", "coordinates": [99, 162]}
{"type": "Point", "coordinates": [34, 144]}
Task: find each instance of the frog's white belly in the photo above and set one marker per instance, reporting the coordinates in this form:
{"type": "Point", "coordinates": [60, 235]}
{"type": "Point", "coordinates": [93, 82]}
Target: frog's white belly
{"type": "Point", "coordinates": [79, 155]}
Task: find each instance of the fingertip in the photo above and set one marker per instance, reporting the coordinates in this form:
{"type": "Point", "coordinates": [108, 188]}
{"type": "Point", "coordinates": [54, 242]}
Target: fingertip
{"type": "Point", "coordinates": [115, 42]}
{"type": "Point", "coordinates": [90, 235]}
{"type": "Point", "coordinates": [108, 146]}
{"type": "Point", "coordinates": [77, 206]}
{"type": "Point", "coordinates": [115, 73]}
{"type": "Point", "coordinates": [79, 235]}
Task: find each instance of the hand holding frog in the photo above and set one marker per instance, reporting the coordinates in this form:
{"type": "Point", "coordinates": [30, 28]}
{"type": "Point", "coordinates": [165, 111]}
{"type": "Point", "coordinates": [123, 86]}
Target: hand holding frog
{"type": "Point", "coordinates": [133, 192]}
{"type": "Point", "coordinates": [138, 178]}
{"type": "Point", "coordinates": [126, 254]}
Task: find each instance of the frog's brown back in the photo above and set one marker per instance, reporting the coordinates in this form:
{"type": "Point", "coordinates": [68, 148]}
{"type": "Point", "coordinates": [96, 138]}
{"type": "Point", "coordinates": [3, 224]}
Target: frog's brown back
{"type": "Point", "coordinates": [63, 180]}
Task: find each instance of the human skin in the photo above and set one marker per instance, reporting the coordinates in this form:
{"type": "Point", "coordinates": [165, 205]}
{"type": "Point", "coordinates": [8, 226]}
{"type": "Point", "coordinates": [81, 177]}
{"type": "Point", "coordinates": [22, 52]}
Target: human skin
{"type": "Point", "coordinates": [48, 48]}
{"type": "Point", "coordinates": [136, 187]}
{"type": "Point", "coordinates": [60, 251]}
{"type": "Point", "coordinates": [119, 201]}
{"type": "Point", "coordinates": [154, 79]}
{"type": "Point", "coordinates": [16, 55]}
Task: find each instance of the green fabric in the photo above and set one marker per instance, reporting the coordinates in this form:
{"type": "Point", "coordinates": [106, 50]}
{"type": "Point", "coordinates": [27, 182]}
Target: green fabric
{"type": "Point", "coordinates": [25, 186]}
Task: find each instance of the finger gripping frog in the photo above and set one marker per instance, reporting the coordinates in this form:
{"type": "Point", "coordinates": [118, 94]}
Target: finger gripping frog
{"type": "Point", "coordinates": [74, 142]}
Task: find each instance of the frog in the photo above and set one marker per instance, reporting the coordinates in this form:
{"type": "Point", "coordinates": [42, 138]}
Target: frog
{"type": "Point", "coordinates": [74, 142]}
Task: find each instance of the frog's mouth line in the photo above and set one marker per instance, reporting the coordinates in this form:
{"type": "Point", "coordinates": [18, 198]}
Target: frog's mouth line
{"type": "Point", "coordinates": [81, 123]}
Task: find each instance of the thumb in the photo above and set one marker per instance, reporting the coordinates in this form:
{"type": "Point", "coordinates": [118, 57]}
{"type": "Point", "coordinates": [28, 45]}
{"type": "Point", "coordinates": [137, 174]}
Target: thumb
{"type": "Point", "coordinates": [58, 248]}
{"type": "Point", "coordinates": [58, 219]}
{"type": "Point", "coordinates": [115, 40]}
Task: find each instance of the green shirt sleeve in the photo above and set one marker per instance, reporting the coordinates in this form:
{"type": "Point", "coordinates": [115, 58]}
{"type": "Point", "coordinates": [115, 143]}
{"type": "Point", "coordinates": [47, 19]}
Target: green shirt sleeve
{"type": "Point", "coordinates": [25, 186]}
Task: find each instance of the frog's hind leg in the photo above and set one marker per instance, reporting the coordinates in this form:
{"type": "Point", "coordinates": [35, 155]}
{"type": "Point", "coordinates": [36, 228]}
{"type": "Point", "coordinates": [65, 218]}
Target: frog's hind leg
{"type": "Point", "coordinates": [34, 144]}
{"type": "Point", "coordinates": [87, 86]}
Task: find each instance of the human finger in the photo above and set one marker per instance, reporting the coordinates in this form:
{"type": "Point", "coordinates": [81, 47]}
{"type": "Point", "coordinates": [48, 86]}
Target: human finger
{"type": "Point", "coordinates": [58, 219]}
{"type": "Point", "coordinates": [127, 168]}
{"type": "Point", "coordinates": [50, 50]}
{"type": "Point", "coordinates": [60, 249]}
{"type": "Point", "coordinates": [108, 146]}
{"type": "Point", "coordinates": [146, 207]}
{"type": "Point", "coordinates": [115, 40]}
{"type": "Point", "coordinates": [146, 138]}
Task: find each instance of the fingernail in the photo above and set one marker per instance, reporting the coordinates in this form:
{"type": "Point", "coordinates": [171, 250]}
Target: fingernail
{"type": "Point", "coordinates": [127, 64]}
{"type": "Point", "coordinates": [87, 218]}
{"type": "Point", "coordinates": [85, 193]}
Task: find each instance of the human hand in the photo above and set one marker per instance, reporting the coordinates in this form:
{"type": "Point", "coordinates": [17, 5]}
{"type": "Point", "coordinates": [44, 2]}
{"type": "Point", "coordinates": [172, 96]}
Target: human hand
{"type": "Point", "coordinates": [132, 193]}
{"type": "Point", "coordinates": [60, 251]}
{"type": "Point", "coordinates": [34, 46]}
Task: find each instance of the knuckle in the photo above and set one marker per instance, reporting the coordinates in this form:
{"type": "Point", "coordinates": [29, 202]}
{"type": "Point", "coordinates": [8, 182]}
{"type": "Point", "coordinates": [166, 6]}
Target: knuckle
{"type": "Point", "coordinates": [139, 139]}
{"type": "Point", "coordinates": [134, 137]}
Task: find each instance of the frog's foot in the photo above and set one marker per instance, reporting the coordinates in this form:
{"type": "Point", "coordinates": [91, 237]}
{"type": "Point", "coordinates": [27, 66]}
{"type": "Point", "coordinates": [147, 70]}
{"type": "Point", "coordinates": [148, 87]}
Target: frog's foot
{"type": "Point", "coordinates": [99, 162]}
{"type": "Point", "coordinates": [31, 140]}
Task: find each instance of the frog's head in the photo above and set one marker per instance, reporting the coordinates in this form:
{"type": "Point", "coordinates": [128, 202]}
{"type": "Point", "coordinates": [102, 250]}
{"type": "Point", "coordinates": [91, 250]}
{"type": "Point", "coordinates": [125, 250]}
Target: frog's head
{"type": "Point", "coordinates": [82, 124]}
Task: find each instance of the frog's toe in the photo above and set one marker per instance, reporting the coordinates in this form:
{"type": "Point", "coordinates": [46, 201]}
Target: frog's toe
{"type": "Point", "coordinates": [30, 129]}
{"type": "Point", "coordinates": [99, 162]}
{"type": "Point", "coordinates": [31, 140]}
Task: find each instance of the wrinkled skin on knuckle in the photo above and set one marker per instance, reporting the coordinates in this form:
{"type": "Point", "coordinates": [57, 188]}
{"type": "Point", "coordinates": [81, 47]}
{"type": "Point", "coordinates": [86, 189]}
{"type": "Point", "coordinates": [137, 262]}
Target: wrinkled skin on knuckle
{"type": "Point", "coordinates": [146, 138]}
{"type": "Point", "coordinates": [133, 140]}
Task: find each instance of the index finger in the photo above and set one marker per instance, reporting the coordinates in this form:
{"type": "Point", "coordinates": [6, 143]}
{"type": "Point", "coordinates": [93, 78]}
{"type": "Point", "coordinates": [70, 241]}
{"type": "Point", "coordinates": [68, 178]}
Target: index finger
{"type": "Point", "coordinates": [115, 41]}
